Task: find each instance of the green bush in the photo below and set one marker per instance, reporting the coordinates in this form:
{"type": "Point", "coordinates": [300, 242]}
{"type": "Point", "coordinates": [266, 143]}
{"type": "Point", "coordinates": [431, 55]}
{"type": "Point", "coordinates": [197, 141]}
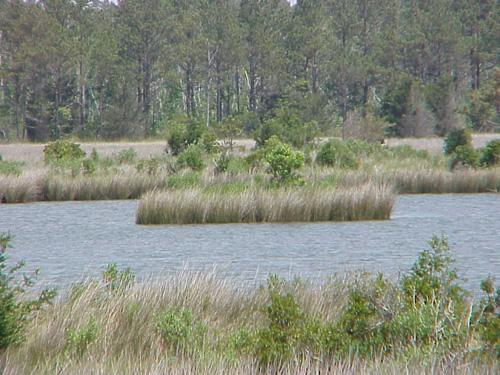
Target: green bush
{"type": "Point", "coordinates": [15, 307]}
{"type": "Point", "coordinates": [8, 167]}
{"type": "Point", "coordinates": [455, 138]}
{"type": "Point", "coordinates": [115, 279]}
{"type": "Point", "coordinates": [490, 154]}
{"type": "Point", "coordinates": [127, 156]}
{"type": "Point", "coordinates": [183, 135]}
{"type": "Point", "coordinates": [79, 340]}
{"type": "Point", "coordinates": [179, 331]}
{"type": "Point", "coordinates": [230, 164]}
{"type": "Point", "coordinates": [191, 157]}
{"type": "Point", "coordinates": [277, 340]}
{"type": "Point", "coordinates": [284, 162]}
{"type": "Point", "coordinates": [336, 153]}
{"type": "Point", "coordinates": [465, 156]}
{"type": "Point", "coordinates": [62, 151]}
{"type": "Point", "coordinates": [184, 180]}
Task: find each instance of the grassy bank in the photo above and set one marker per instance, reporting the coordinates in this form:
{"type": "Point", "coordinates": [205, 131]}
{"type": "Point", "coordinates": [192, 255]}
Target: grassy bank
{"type": "Point", "coordinates": [194, 206]}
{"type": "Point", "coordinates": [127, 175]}
{"type": "Point", "coordinates": [199, 323]}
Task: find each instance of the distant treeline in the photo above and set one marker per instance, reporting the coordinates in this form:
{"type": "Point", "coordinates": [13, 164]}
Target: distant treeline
{"type": "Point", "coordinates": [132, 69]}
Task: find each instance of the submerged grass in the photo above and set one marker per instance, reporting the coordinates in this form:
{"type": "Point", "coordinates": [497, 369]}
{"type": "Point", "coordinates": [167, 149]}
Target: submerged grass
{"type": "Point", "coordinates": [193, 206]}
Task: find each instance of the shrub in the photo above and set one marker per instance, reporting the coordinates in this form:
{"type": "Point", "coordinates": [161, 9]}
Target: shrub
{"type": "Point", "coordinates": [62, 151]}
{"type": "Point", "coordinates": [455, 138]}
{"type": "Point", "coordinates": [283, 163]}
{"type": "Point", "coordinates": [15, 308]}
{"type": "Point", "coordinates": [337, 153]}
{"type": "Point", "coordinates": [79, 340]}
{"type": "Point", "coordinates": [465, 156]}
{"type": "Point", "coordinates": [491, 153]}
{"type": "Point", "coordinates": [184, 180]}
{"type": "Point", "coordinates": [8, 167]}
{"type": "Point", "coordinates": [230, 164]}
{"type": "Point", "coordinates": [179, 331]}
{"type": "Point", "coordinates": [209, 141]}
{"type": "Point", "coordinates": [184, 135]}
{"type": "Point", "coordinates": [115, 279]}
{"type": "Point", "coordinates": [277, 340]}
{"type": "Point", "coordinates": [191, 157]}
{"type": "Point", "coordinates": [127, 156]}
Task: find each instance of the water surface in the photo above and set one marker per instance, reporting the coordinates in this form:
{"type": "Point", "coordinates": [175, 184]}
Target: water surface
{"type": "Point", "coordinates": [71, 240]}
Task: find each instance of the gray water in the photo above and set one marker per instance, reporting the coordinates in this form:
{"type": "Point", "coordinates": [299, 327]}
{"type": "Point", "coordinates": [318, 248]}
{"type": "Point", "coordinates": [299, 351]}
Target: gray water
{"type": "Point", "coordinates": [73, 240]}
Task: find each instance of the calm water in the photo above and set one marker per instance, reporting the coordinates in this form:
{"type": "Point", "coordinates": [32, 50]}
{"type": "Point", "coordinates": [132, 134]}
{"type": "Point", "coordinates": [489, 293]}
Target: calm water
{"type": "Point", "coordinates": [71, 240]}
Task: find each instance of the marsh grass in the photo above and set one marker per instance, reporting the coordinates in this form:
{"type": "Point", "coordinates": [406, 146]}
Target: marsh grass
{"type": "Point", "coordinates": [193, 206]}
{"type": "Point", "coordinates": [93, 329]}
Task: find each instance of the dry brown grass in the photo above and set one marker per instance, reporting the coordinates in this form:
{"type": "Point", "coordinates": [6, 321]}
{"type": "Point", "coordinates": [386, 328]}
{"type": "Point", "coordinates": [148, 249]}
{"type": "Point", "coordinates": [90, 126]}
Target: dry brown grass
{"type": "Point", "coordinates": [364, 202]}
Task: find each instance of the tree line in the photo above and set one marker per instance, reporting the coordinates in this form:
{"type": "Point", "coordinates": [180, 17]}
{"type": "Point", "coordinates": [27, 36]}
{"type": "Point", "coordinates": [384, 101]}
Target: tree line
{"type": "Point", "coordinates": [131, 69]}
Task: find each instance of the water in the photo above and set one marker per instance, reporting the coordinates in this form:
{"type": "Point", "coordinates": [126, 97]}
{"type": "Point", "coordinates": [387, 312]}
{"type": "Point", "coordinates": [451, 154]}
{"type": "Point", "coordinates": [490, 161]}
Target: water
{"type": "Point", "coordinates": [71, 240]}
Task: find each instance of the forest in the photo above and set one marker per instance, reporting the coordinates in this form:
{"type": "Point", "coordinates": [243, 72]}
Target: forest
{"type": "Point", "coordinates": [131, 69]}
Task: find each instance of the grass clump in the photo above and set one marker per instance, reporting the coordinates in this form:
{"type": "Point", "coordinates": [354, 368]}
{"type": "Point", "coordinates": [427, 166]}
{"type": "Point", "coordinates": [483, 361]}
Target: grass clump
{"type": "Point", "coordinates": [195, 206]}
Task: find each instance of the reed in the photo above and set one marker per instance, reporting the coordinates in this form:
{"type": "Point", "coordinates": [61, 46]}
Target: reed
{"type": "Point", "coordinates": [22, 188]}
{"type": "Point", "coordinates": [125, 338]}
{"type": "Point", "coordinates": [194, 206]}
{"type": "Point", "coordinates": [112, 186]}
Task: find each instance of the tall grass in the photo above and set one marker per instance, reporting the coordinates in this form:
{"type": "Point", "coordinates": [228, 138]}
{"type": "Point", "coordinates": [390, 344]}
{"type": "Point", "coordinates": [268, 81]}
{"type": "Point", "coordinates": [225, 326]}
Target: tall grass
{"type": "Point", "coordinates": [97, 330]}
{"type": "Point", "coordinates": [22, 188]}
{"type": "Point", "coordinates": [100, 187]}
{"type": "Point", "coordinates": [365, 202]}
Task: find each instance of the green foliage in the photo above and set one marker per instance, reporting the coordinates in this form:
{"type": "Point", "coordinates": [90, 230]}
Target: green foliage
{"type": "Point", "coordinates": [184, 134]}
{"type": "Point", "coordinates": [62, 151]}
{"type": "Point", "coordinates": [276, 341]}
{"type": "Point", "coordinates": [209, 142]}
{"type": "Point", "coordinates": [284, 162]}
{"type": "Point", "coordinates": [116, 279]}
{"type": "Point", "coordinates": [16, 307]}
{"type": "Point", "coordinates": [179, 331]}
{"type": "Point", "coordinates": [431, 278]}
{"type": "Point", "coordinates": [489, 321]}
{"type": "Point", "coordinates": [191, 157]}
{"type": "Point", "coordinates": [230, 164]}
{"type": "Point", "coordinates": [12, 168]}
{"type": "Point", "coordinates": [465, 156]}
{"type": "Point", "coordinates": [79, 340]}
{"type": "Point", "coordinates": [339, 154]}
{"type": "Point", "coordinates": [127, 156]}
{"type": "Point", "coordinates": [455, 138]}
{"type": "Point", "coordinates": [490, 154]}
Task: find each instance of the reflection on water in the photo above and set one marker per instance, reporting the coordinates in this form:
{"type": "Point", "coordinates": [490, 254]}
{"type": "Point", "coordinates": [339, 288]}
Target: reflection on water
{"type": "Point", "coordinates": [71, 240]}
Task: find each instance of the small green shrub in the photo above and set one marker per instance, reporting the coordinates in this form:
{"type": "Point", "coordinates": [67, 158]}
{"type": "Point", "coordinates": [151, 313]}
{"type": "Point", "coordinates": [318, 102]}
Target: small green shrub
{"type": "Point", "coordinates": [115, 279]}
{"type": "Point", "coordinates": [191, 157]}
{"type": "Point", "coordinates": [13, 168]}
{"type": "Point", "coordinates": [62, 151]}
{"type": "Point", "coordinates": [79, 340]}
{"type": "Point", "coordinates": [15, 308]}
{"type": "Point", "coordinates": [431, 277]}
{"type": "Point", "coordinates": [230, 164]}
{"type": "Point", "coordinates": [339, 154]}
{"type": "Point", "coordinates": [490, 154]}
{"type": "Point", "coordinates": [127, 156]}
{"type": "Point", "coordinates": [209, 142]}
{"type": "Point", "coordinates": [183, 135]}
{"type": "Point", "coordinates": [179, 331]}
{"type": "Point", "coordinates": [277, 340]}
{"type": "Point", "coordinates": [455, 138]}
{"type": "Point", "coordinates": [465, 156]}
{"type": "Point", "coordinates": [489, 322]}
{"type": "Point", "coordinates": [284, 162]}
